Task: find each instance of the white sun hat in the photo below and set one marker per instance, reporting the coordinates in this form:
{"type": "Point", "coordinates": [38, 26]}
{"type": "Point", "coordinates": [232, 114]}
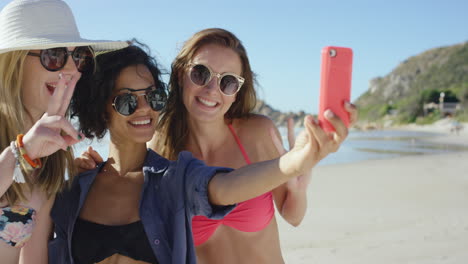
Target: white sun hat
{"type": "Point", "coordinates": [43, 24]}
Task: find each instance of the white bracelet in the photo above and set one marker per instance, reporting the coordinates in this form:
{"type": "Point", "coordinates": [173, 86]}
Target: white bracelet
{"type": "Point", "coordinates": [17, 173]}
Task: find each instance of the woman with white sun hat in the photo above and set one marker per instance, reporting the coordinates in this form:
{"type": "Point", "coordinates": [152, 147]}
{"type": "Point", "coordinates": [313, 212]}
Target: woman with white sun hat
{"type": "Point", "coordinates": [42, 56]}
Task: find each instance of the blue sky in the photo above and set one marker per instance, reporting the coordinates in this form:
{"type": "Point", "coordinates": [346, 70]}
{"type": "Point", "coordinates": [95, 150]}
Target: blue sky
{"type": "Point", "coordinates": [284, 38]}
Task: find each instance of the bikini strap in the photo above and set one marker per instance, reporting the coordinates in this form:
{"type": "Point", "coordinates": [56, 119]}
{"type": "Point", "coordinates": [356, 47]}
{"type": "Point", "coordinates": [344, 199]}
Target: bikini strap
{"type": "Point", "coordinates": [239, 143]}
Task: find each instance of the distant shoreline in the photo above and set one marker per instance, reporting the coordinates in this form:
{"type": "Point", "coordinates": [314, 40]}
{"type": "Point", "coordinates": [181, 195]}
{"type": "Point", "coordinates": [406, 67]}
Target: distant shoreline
{"type": "Point", "coordinates": [442, 127]}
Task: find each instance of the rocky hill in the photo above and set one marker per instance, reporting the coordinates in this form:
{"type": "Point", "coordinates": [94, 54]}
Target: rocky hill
{"type": "Point", "coordinates": [278, 117]}
{"type": "Point", "coordinates": [403, 92]}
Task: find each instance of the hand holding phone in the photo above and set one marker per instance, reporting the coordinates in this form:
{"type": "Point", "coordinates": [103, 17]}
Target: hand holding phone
{"type": "Point", "coordinates": [335, 84]}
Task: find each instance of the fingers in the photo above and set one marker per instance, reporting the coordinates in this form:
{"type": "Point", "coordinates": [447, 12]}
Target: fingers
{"type": "Point", "coordinates": [353, 112]}
{"type": "Point", "coordinates": [60, 99]}
{"type": "Point", "coordinates": [317, 134]}
{"type": "Point", "coordinates": [341, 131]}
{"type": "Point", "coordinates": [326, 142]}
{"type": "Point", "coordinates": [90, 163]}
{"type": "Point", "coordinates": [84, 164]}
{"type": "Point", "coordinates": [70, 141]}
{"type": "Point", "coordinates": [60, 123]}
{"type": "Point", "coordinates": [46, 136]}
{"type": "Point", "coordinates": [68, 93]}
{"type": "Point", "coordinates": [88, 160]}
{"type": "Point", "coordinates": [94, 155]}
{"type": "Point", "coordinates": [291, 134]}
{"type": "Point", "coordinates": [277, 141]}
{"type": "Point", "coordinates": [50, 137]}
{"type": "Point", "coordinates": [55, 101]}
{"type": "Point", "coordinates": [311, 125]}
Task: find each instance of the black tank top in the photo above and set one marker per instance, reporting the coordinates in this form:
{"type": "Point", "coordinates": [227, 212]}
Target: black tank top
{"type": "Point", "coordinates": [92, 242]}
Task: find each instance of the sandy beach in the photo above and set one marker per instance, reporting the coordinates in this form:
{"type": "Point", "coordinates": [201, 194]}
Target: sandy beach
{"type": "Point", "coordinates": [411, 209]}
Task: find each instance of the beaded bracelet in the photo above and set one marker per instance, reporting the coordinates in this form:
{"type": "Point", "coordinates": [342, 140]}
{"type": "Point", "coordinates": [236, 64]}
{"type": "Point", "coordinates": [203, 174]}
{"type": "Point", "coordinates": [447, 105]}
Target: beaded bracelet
{"type": "Point", "coordinates": [34, 163]}
{"type": "Point", "coordinates": [17, 173]}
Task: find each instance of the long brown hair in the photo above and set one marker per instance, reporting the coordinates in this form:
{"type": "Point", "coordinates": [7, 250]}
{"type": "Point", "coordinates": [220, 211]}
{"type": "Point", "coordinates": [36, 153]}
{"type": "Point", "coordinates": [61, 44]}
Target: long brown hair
{"type": "Point", "coordinates": [13, 114]}
{"type": "Point", "coordinates": [173, 128]}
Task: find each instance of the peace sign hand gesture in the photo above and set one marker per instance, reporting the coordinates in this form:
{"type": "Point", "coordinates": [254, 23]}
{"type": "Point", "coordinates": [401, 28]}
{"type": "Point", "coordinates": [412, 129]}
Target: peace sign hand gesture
{"type": "Point", "coordinates": [53, 131]}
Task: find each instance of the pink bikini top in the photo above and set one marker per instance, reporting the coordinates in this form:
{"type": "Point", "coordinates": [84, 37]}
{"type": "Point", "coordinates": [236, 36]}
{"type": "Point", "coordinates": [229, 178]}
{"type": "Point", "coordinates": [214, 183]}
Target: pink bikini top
{"type": "Point", "coordinates": [249, 216]}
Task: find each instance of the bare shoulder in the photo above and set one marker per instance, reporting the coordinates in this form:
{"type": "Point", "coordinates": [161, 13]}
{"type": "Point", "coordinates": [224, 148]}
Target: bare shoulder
{"type": "Point", "coordinates": [254, 133]}
{"type": "Point", "coordinates": [254, 124]}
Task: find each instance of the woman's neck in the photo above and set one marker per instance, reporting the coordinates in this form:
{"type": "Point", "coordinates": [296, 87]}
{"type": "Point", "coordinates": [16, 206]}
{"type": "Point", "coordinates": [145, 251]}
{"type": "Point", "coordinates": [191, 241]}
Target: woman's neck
{"type": "Point", "coordinates": [205, 137]}
{"type": "Point", "coordinates": [126, 157]}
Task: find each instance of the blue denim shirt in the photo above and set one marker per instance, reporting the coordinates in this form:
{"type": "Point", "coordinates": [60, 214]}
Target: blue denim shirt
{"type": "Point", "coordinates": [173, 192]}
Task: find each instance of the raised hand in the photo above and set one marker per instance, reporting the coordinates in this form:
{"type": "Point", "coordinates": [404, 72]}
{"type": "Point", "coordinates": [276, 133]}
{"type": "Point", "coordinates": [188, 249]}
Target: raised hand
{"type": "Point", "coordinates": [313, 143]}
{"type": "Point", "coordinates": [53, 131]}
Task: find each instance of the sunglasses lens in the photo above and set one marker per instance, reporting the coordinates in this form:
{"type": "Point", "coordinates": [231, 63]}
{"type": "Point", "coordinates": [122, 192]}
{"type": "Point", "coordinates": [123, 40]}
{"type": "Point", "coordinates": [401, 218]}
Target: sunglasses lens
{"type": "Point", "coordinates": [229, 84]}
{"type": "Point", "coordinates": [54, 59]}
{"type": "Point", "coordinates": [157, 99]}
{"type": "Point", "coordinates": [83, 58]}
{"type": "Point", "coordinates": [125, 104]}
{"type": "Point", "coordinates": [200, 75]}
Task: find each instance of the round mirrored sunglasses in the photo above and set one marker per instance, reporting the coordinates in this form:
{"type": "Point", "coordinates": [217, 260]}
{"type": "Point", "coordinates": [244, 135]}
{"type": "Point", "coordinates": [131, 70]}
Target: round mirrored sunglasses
{"type": "Point", "coordinates": [127, 103]}
{"type": "Point", "coordinates": [229, 83]}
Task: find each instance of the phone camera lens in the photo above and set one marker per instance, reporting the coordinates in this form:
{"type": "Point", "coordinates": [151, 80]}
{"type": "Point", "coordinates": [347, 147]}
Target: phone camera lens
{"type": "Point", "coordinates": [332, 53]}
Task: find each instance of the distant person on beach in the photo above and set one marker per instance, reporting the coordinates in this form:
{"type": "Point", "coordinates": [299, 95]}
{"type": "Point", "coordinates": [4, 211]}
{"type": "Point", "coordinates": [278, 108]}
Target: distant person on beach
{"type": "Point", "coordinates": [42, 56]}
{"type": "Point", "coordinates": [455, 127]}
{"type": "Point", "coordinates": [209, 113]}
{"type": "Point", "coordinates": [138, 205]}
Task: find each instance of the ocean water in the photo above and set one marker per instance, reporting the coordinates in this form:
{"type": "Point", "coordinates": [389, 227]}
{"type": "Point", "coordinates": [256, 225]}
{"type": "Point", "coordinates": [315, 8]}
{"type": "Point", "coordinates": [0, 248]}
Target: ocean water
{"type": "Point", "coordinates": [384, 144]}
{"type": "Point", "coordinates": [359, 146]}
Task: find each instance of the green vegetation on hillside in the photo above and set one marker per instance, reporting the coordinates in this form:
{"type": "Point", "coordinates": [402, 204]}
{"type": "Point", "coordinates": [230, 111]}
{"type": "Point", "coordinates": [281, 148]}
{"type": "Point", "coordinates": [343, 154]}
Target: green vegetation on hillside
{"type": "Point", "coordinates": [400, 96]}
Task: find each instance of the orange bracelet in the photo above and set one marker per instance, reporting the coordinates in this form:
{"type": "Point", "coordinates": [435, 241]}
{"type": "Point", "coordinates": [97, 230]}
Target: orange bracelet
{"type": "Point", "coordinates": [34, 163]}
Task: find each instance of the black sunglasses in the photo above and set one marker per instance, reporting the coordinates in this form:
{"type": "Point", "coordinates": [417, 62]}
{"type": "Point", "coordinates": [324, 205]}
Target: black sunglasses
{"type": "Point", "coordinates": [228, 83]}
{"type": "Point", "coordinates": [127, 103]}
{"type": "Point", "coordinates": [56, 58]}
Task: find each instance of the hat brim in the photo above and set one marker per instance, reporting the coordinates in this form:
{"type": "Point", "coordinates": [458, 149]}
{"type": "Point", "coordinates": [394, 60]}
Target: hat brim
{"type": "Point", "coordinates": [55, 42]}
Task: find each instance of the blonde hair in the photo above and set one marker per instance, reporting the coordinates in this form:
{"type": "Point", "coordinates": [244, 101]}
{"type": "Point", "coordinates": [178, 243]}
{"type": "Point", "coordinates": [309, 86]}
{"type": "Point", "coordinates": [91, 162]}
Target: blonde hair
{"type": "Point", "coordinates": [173, 128]}
{"type": "Point", "coordinates": [50, 178]}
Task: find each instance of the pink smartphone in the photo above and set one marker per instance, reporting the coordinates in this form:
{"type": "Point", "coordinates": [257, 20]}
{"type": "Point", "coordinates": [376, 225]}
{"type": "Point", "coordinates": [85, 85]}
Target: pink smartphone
{"type": "Point", "coordinates": [335, 84]}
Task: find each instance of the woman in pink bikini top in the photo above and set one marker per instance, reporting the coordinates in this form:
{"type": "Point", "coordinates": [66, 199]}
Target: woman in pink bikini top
{"type": "Point", "coordinates": [209, 113]}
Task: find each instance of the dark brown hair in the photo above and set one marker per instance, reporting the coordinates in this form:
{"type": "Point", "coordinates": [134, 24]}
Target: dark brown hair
{"type": "Point", "coordinates": [93, 91]}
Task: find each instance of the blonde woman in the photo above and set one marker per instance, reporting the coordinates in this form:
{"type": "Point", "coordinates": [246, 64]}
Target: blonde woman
{"type": "Point", "coordinates": [42, 57]}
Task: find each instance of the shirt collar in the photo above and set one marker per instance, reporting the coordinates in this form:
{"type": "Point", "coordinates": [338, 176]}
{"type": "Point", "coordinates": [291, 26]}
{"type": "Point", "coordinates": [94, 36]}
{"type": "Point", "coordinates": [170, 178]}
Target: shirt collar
{"type": "Point", "coordinates": [154, 163]}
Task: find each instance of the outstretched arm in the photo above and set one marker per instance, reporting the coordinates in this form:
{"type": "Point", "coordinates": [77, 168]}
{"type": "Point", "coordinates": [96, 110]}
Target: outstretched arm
{"type": "Point", "coordinates": [252, 180]}
{"type": "Point", "coordinates": [312, 145]}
